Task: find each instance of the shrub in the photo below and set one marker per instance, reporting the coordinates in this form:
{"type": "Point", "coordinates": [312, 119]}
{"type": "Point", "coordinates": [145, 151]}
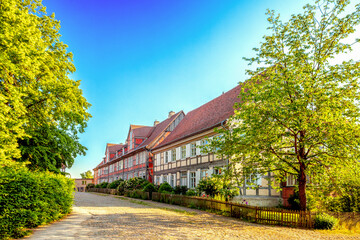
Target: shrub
{"type": "Point", "coordinates": [165, 187]}
{"type": "Point", "coordinates": [90, 185]}
{"type": "Point", "coordinates": [183, 189]}
{"type": "Point", "coordinates": [135, 183]}
{"type": "Point", "coordinates": [121, 187]}
{"type": "Point", "coordinates": [348, 201]}
{"type": "Point", "coordinates": [180, 190]}
{"type": "Point", "coordinates": [177, 190]}
{"type": "Point", "coordinates": [149, 188]}
{"type": "Point", "coordinates": [98, 186]}
{"type": "Point", "coordinates": [294, 201]}
{"type": "Point", "coordinates": [29, 199]}
{"type": "Point", "coordinates": [114, 184]}
{"type": "Point", "coordinates": [104, 184]}
{"type": "Point", "coordinates": [325, 221]}
{"type": "Point", "coordinates": [191, 192]}
{"type": "Point", "coordinates": [209, 185]}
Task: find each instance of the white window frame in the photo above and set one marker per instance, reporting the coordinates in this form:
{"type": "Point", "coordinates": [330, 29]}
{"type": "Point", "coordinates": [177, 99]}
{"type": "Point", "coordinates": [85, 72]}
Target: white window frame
{"type": "Point", "coordinates": [192, 180]}
{"type": "Point", "coordinates": [193, 149]}
{"type": "Point", "coordinates": [166, 157]}
{"type": "Point", "coordinates": [183, 152]}
{"type": "Point", "coordinates": [173, 154]}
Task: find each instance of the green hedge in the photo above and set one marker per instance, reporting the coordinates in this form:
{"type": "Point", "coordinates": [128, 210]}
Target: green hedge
{"type": "Point", "coordinates": [29, 199]}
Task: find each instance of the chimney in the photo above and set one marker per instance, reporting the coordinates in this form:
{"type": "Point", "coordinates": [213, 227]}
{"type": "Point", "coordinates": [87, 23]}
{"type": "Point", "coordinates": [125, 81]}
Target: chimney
{"type": "Point", "coordinates": [156, 122]}
{"type": "Point", "coordinates": [171, 113]}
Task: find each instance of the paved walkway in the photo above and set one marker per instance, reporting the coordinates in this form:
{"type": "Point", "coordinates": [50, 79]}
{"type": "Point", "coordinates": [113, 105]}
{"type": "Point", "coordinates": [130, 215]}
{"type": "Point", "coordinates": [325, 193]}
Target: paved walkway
{"type": "Point", "coordinates": [97, 216]}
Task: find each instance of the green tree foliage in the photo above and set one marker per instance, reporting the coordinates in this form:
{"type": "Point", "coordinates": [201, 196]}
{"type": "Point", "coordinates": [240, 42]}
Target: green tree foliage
{"type": "Point", "coordinates": [31, 198]}
{"type": "Point", "coordinates": [299, 113]}
{"type": "Point", "coordinates": [87, 174]}
{"type": "Point", "coordinates": [42, 109]}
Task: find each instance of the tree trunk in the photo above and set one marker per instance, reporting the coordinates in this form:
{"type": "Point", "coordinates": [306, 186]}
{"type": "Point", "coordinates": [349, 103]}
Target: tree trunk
{"type": "Point", "coordinates": [302, 187]}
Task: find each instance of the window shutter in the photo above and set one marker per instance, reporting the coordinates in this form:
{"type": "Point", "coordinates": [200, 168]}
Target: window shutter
{"type": "Point", "coordinates": [188, 150]}
{"type": "Point", "coordinates": [178, 153]}
{"type": "Point", "coordinates": [198, 151]}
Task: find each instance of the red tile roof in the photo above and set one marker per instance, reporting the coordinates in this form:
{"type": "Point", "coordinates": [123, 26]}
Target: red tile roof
{"type": "Point", "coordinates": [159, 129]}
{"type": "Point", "coordinates": [142, 132]}
{"type": "Point", "coordinates": [205, 117]}
{"type": "Point", "coordinates": [113, 148]}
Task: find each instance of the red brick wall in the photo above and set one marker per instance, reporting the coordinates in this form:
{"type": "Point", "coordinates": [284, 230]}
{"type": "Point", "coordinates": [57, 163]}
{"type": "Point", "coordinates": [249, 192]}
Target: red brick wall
{"type": "Point", "coordinates": [286, 193]}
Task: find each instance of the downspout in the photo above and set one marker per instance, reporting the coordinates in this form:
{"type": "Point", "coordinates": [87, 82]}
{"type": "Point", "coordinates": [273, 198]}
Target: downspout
{"type": "Point", "coordinates": [227, 160]}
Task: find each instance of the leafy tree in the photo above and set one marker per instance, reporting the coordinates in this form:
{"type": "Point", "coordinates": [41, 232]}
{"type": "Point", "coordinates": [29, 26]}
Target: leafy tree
{"type": "Point", "coordinates": [299, 112]}
{"type": "Point", "coordinates": [42, 109]}
{"type": "Point", "coordinates": [87, 174]}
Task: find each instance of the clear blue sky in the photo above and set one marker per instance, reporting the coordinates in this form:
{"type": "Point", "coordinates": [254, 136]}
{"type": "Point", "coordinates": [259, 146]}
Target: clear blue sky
{"type": "Point", "coordinates": [138, 60]}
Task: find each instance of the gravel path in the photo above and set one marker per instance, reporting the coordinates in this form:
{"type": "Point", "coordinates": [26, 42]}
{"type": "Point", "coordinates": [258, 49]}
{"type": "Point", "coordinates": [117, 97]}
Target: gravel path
{"type": "Point", "coordinates": [99, 216]}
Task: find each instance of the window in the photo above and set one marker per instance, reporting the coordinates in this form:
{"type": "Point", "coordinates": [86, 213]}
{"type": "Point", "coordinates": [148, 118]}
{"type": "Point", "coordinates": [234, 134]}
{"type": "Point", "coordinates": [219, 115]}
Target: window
{"type": "Point", "coordinates": [291, 180]}
{"type": "Point", "coordinates": [253, 179]}
{"type": "Point", "coordinates": [183, 152]}
{"type": "Point", "coordinates": [173, 154]}
{"type": "Point", "coordinates": [217, 171]}
{"type": "Point", "coordinates": [204, 143]}
{"type": "Point", "coordinates": [166, 157]}
{"type": "Point", "coordinates": [193, 149]}
{"type": "Point", "coordinates": [172, 180]}
{"type": "Point", "coordinates": [192, 179]}
{"type": "Point", "coordinates": [183, 179]}
{"type": "Point", "coordinates": [120, 165]}
{"type": "Point", "coordinates": [204, 173]}
{"type": "Point", "coordinates": [157, 180]}
{"type": "Point", "coordinates": [143, 157]}
{"type": "Point", "coordinates": [164, 179]}
{"type": "Point", "coordinates": [83, 183]}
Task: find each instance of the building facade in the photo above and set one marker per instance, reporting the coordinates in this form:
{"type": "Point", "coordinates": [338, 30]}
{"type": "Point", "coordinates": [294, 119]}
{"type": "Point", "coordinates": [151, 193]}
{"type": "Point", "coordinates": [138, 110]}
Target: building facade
{"type": "Point", "coordinates": [180, 161]}
{"type": "Point", "coordinates": [80, 183]}
{"type": "Point", "coordinates": [170, 151]}
{"type": "Point", "coordinates": [134, 158]}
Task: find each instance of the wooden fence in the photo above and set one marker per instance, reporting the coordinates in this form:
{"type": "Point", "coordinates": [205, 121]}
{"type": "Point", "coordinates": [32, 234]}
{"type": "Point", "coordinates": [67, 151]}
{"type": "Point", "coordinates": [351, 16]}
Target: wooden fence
{"type": "Point", "coordinates": [262, 215]}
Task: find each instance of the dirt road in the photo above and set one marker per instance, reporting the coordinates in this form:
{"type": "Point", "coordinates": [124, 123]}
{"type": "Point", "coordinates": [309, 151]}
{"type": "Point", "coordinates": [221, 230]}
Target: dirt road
{"type": "Point", "coordinates": [98, 216]}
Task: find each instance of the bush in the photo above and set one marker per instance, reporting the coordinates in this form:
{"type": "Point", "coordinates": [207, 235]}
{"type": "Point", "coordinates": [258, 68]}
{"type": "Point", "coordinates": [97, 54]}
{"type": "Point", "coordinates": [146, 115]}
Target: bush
{"type": "Point", "coordinates": [165, 187]}
{"type": "Point", "coordinates": [90, 185]}
{"type": "Point", "coordinates": [149, 188]}
{"type": "Point", "coordinates": [104, 184]}
{"type": "Point", "coordinates": [121, 187]}
{"type": "Point", "coordinates": [349, 201]}
{"type": "Point", "coordinates": [135, 183]}
{"type": "Point", "coordinates": [114, 184]}
{"type": "Point", "coordinates": [210, 186]}
{"type": "Point", "coordinates": [180, 190]}
{"type": "Point", "coordinates": [98, 186]}
{"type": "Point", "coordinates": [29, 199]}
{"type": "Point", "coordinates": [325, 221]}
{"type": "Point", "coordinates": [191, 192]}
{"type": "Point", "coordinates": [294, 200]}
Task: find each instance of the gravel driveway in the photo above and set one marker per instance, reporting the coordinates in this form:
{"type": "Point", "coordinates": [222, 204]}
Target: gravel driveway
{"type": "Point", "coordinates": [98, 216]}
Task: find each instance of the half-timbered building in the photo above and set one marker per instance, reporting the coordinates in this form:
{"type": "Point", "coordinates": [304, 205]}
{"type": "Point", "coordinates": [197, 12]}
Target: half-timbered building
{"type": "Point", "coordinates": [180, 161]}
{"type": "Point", "coordinates": [134, 158]}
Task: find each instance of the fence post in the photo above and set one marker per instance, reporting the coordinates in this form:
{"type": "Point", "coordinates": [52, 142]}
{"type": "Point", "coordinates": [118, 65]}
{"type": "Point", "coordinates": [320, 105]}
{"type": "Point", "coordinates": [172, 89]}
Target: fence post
{"type": "Point", "coordinates": [282, 217]}
{"type": "Point", "coordinates": [230, 210]}
{"type": "Point", "coordinates": [256, 214]}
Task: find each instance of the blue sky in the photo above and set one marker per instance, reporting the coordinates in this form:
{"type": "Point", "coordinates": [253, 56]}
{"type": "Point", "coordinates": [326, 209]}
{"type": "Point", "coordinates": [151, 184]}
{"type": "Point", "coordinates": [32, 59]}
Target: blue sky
{"type": "Point", "coordinates": [138, 60]}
